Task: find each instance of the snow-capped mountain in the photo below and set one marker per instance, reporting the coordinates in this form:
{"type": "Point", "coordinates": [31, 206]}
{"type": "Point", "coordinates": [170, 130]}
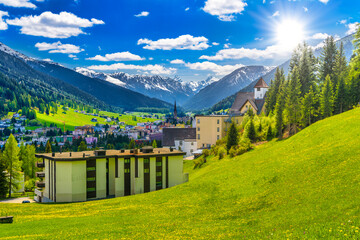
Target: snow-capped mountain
{"type": "Point", "coordinates": [14, 53]}
{"type": "Point", "coordinates": [226, 86]}
{"type": "Point", "coordinates": [164, 88]}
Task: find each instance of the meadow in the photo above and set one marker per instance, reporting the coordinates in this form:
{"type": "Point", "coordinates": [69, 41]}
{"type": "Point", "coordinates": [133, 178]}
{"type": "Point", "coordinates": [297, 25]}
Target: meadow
{"type": "Point", "coordinates": [303, 187]}
{"type": "Point", "coordinates": [73, 119]}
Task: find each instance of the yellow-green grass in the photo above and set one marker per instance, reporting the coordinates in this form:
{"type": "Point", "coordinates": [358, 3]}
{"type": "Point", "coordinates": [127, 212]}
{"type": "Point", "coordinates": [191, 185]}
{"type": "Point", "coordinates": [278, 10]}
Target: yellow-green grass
{"type": "Point", "coordinates": [304, 187]}
{"type": "Point", "coordinates": [73, 119]}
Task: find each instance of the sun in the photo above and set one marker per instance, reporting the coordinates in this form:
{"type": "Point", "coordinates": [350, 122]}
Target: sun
{"type": "Point", "coordinates": [289, 33]}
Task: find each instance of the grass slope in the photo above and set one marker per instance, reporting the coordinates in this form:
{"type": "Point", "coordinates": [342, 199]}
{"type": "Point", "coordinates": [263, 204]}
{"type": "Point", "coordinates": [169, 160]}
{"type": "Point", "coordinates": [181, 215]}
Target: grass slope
{"type": "Point", "coordinates": [305, 187]}
{"type": "Point", "coordinates": [73, 119]}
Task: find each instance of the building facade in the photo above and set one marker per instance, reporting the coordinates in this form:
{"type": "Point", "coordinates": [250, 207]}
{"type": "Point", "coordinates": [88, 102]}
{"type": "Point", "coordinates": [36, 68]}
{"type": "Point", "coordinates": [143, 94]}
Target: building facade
{"type": "Point", "coordinates": [211, 128]}
{"type": "Point", "coordinates": [187, 146]}
{"type": "Point", "coordinates": [82, 176]}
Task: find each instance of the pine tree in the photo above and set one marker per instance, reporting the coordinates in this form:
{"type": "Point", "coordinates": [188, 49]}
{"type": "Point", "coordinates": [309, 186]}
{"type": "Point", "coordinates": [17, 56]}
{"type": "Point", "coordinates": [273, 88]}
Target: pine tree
{"type": "Point", "coordinates": [307, 108]}
{"type": "Point", "coordinates": [353, 82]}
{"type": "Point", "coordinates": [272, 93]}
{"type": "Point", "coordinates": [328, 58]}
{"type": "Point", "coordinates": [154, 144]}
{"type": "Point", "coordinates": [232, 137]}
{"type": "Point", "coordinates": [307, 69]}
{"type": "Point", "coordinates": [340, 97]}
{"type": "Point", "coordinates": [292, 105]}
{"type": "Point", "coordinates": [250, 132]}
{"type": "Point", "coordinates": [12, 163]}
{"type": "Point", "coordinates": [29, 161]}
{"type": "Point", "coordinates": [132, 144]}
{"type": "Point", "coordinates": [340, 68]}
{"type": "Point", "coordinates": [327, 99]}
{"type": "Point", "coordinates": [279, 108]}
{"type": "Point", "coordinates": [3, 179]}
{"type": "Point", "coordinates": [269, 133]}
{"type": "Point", "coordinates": [48, 148]}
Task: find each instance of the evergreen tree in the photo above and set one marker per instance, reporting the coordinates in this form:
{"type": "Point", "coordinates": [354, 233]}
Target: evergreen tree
{"type": "Point", "coordinates": [328, 58]}
{"type": "Point", "coordinates": [250, 132]}
{"type": "Point", "coordinates": [29, 162]}
{"type": "Point", "coordinates": [340, 68]}
{"type": "Point", "coordinates": [279, 108]}
{"type": "Point", "coordinates": [353, 82]}
{"type": "Point", "coordinates": [292, 105]}
{"type": "Point", "coordinates": [154, 144]}
{"type": "Point", "coordinates": [132, 144]}
{"type": "Point", "coordinates": [232, 137]}
{"type": "Point", "coordinates": [327, 99]}
{"type": "Point", "coordinates": [340, 97]}
{"type": "Point", "coordinates": [12, 163]}
{"type": "Point", "coordinates": [269, 133]}
{"type": "Point", "coordinates": [272, 93]}
{"type": "Point", "coordinates": [82, 147]}
{"type": "Point", "coordinates": [307, 69]}
{"type": "Point", "coordinates": [308, 108]}
{"type": "Point", "coordinates": [48, 148]}
{"type": "Point", "coordinates": [3, 179]}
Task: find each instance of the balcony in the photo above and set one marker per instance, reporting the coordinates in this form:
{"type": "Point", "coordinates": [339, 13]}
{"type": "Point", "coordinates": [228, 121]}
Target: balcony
{"type": "Point", "coordinates": [40, 174]}
{"type": "Point", "coordinates": [40, 184]}
{"type": "Point", "coordinates": [40, 164]}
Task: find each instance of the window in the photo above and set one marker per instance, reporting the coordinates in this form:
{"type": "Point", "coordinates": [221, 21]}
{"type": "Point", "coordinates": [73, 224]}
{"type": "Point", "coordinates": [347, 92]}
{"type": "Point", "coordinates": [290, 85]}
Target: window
{"type": "Point", "coordinates": [198, 121]}
{"type": "Point", "coordinates": [127, 160]}
{"type": "Point", "coordinates": [158, 174]}
{"type": "Point", "coordinates": [191, 150]}
{"type": "Point", "coordinates": [218, 121]}
{"type": "Point", "coordinates": [159, 163]}
{"type": "Point", "coordinates": [181, 143]}
{"type": "Point", "coordinates": [126, 170]}
{"type": "Point", "coordinates": [218, 137]}
{"type": "Point", "coordinates": [199, 136]}
{"type": "Point", "coordinates": [258, 89]}
{"type": "Point", "coordinates": [146, 160]}
{"type": "Point", "coordinates": [192, 143]}
{"type": "Point", "coordinates": [146, 170]}
{"type": "Point", "coordinates": [218, 129]}
{"type": "Point", "coordinates": [198, 129]}
{"type": "Point", "coordinates": [260, 95]}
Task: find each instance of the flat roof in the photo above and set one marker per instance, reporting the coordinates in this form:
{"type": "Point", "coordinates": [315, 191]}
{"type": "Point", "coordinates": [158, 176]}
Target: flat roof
{"type": "Point", "coordinates": [79, 156]}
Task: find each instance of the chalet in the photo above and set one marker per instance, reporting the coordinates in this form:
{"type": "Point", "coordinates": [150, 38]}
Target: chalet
{"type": "Point", "coordinates": [82, 176]}
{"type": "Point", "coordinates": [246, 100]}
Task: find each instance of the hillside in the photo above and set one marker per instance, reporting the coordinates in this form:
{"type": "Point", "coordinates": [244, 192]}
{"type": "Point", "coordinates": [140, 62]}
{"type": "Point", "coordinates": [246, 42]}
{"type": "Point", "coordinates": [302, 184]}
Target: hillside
{"type": "Point", "coordinates": [226, 86]}
{"type": "Point", "coordinates": [306, 186]}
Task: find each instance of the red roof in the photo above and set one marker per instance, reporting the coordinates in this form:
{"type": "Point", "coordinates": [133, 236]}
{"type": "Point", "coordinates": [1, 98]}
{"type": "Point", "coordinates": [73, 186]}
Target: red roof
{"type": "Point", "coordinates": [261, 84]}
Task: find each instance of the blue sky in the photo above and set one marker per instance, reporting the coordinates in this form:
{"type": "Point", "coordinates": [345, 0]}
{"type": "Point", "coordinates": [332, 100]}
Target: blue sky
{"type": "Point", "coordinates": [192, 39]}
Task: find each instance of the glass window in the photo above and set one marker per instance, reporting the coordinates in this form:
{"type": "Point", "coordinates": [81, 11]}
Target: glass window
{"type": "Point", "coordinates": [218, 129]}
{"type": "Point", "coordinates": [146, 160]}
{"type": "Point", "coordinates": [218, 137]}
{"type": "Point", "coordinates": [91, 169]}
{"type": "Point", "coordinates": [158, 163]}
{"type": "Point", "coordinates": [91, 189]}
{"type": "Point", "coordinates": [90, 179]}
{"type": "Point", "coordinates": [158, 174]}
{"type": "Point", "coordinates": [198, 129]}
{"type": "Point", "coordinates": [146, 170]}
{"type": "Point", "coordinates": [199, 136]}
{"type": "Point", "coordinates": [258, 89]}
{"type": "Point", "coordinates": [127, 170]}
{"type": "Point", "coordinates": [127, 160]}
{"type": "Point", "coordinates": [198, 120]}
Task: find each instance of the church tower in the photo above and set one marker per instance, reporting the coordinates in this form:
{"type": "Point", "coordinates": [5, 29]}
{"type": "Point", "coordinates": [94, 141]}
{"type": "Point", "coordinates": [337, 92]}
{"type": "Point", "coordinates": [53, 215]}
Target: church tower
{"type": "Point", "coordinates": [260, 89]}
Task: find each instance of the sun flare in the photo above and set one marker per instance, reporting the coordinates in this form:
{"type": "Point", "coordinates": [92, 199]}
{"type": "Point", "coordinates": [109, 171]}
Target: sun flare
{"type": "Point", "coordinates": [289, 33]}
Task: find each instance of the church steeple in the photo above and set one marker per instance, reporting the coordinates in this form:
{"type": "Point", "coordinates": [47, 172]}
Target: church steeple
{"type": "Point", "coordinates": [175, 111]}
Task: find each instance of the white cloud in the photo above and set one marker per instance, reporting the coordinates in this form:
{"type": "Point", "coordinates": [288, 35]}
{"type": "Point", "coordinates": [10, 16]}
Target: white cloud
{"type": "Point", "coordinates": [58, 47]}
{"type": "Point", "coordinates": [151, 58]}
{"type": "Point", "coordinates": [277, 13]}
{"type": "Point", "coordinates": [324, 1]}
{"type": "Point", "coordinates": [305, 9]}
{"type": "Point", "coordinates": [182, 42]}
{"type": "Point", "coordinates": [224, 9]}
{"type": "Point", "coordinates": [119, 56]}
{"type": "Point", "coordinates": [3, 25]}
{"type": "Point", "coordinates": [319, 36]}
{"type": "Point", "coordinates": [259, 39]}
{"type": "Point", "coordinates": [344, 21]}
{"type": "Point", "coordinates": [154, 69]}
{"type": "Point", "coordinates": [270, 52]}
{"type": "Point", "coordinates": [215, 43]}
{"type": "Point", "coordinates": [210, 66]}
{"type": "Point", "coordinates": [177, 61]}
{"type": "Point", "coordinates": [187, 9]}
{"type": "Point", "coordinates": [73, 57]}
{"type": "Point", "coordinates": [352, 28]}
{"type": "Point", "coordinates": [18, 3]}
{"type": "Point", "coordinates": [142, 14]}
{"type": "Point", "coordinates": [50, 25]}
{"type": "Point", "coordinates": [227, 45]}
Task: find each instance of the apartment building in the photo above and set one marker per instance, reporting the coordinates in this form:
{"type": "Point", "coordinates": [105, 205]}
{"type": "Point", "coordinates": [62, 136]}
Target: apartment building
{"type": "Point", "coordinates": [82, 176]}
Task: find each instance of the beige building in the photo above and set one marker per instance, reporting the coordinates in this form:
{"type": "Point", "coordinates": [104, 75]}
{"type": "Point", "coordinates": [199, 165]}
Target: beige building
{"type": "Point", "coordinates": [211, 128]}
{"type": "Point", "coordinates": [82, 176]}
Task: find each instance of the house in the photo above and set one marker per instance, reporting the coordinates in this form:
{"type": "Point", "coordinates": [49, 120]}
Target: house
{"type": "Point", "coordinates": [82, 176]}
{"type": "Point", "coordinates": [187, 146]}
{"type": "Point", "coordinates": [83, 130]}
{"type": "Point", "coordinates": [246, 100]}
{"type": "Point", "coordinates": [172, 134]}
{"type": "Point", "coordinates": [211, 128]}
{"type": "Point", "coordinates": [91, 140]}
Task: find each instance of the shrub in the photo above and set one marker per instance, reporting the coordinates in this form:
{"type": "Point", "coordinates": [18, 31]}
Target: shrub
{"type": "Point", "coordinates": [206, 153]}
{"type": "Point", "coordinates": [233, 152]}
{"type": "Point", "coordinates": [221, 152]}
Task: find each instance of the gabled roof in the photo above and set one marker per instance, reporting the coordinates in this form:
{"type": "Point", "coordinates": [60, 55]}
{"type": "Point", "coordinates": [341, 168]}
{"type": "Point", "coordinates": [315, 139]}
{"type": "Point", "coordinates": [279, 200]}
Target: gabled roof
{"type": "Point", "coordinates": [241, 99]}
{"type": "Point", "coordinates": [261, 84]}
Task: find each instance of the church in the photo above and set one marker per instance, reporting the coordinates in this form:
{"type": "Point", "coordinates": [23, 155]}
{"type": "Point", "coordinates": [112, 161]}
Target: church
{"type": "Point", "coordinates": [246, 100]}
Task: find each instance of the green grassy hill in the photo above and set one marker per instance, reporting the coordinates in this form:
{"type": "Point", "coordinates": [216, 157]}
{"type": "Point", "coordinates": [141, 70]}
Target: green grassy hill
{"type": "Point", "coordinates": [305, 187]}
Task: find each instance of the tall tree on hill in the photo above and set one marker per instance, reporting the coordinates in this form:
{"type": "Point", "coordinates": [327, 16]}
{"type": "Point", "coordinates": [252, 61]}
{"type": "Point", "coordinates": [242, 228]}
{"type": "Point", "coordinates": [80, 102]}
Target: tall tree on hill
{"type": "Point", "coordinates": [279, 109]}
{"type": "Point", "coordinates": [48, 148]}
{"type": "Point", "coordinates": [292, 101]}
{"type": "Point", "coordinates": [328, 59]}
{"type": "Point", "coordinates": [132, 144]}
{"type": "Point", "coordinates": [250, 132]}
{"type": "Point", "coordinates": [340, 68]}
{"type": "Point", "coordinates": [327, 99]}
{"type": "Point", "coordinates": [154, 144]}
{"type": "Point", "coordinates": [340, 97]}
{"type": "Point", "coordinates": [308, 108]}
{"type": "Point", "coordinates": [83, 147]}
{"type": "Point", "coordinates": [232, 137]}
{"type": "Point", "coordinates": [270, 100]}
{"type": "Point", "coordinates": [29, 161]}
{"type": "Point", "coordinates": [12, 163]}
{"type": "Point", "coordinates": [307, 69]}
{"type": "Point", "coordinates": [295, 57]}
{"type": "Point", "coordinates": [3, 179]}
{"type": "Point", "coordinates": [353, 82]}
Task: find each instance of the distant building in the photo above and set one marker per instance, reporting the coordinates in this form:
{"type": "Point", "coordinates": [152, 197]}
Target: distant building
{"type": "Point", "coordinates": [82, 176]}
{"type": "Point", "coordinates": [188, 146]}
{"type": "Point", "coordinates": [211, 128]}
{"type": "Point", "coordinates": [246, 100]}
{"type": "Point", "coordinates": [172, 134]}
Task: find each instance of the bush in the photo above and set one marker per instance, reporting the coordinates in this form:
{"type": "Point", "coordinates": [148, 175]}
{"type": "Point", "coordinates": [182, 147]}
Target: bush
{"type": "Point", "coordinates": [206, 153]}
{"type": "Point", "coordinates": [232, 152]}
{"type": "Point", "coordinates": [221, 152]}
{"type": "Point", "coordinates": [34, 122]}
{"type": "Point", "coordinates": [30, 185]}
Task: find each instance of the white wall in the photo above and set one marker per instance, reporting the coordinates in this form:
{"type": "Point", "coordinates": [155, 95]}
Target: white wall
{"type": "Point", "coordinates": [186, 146]}
{"type": "Point", "coordinates": [260, 94]}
